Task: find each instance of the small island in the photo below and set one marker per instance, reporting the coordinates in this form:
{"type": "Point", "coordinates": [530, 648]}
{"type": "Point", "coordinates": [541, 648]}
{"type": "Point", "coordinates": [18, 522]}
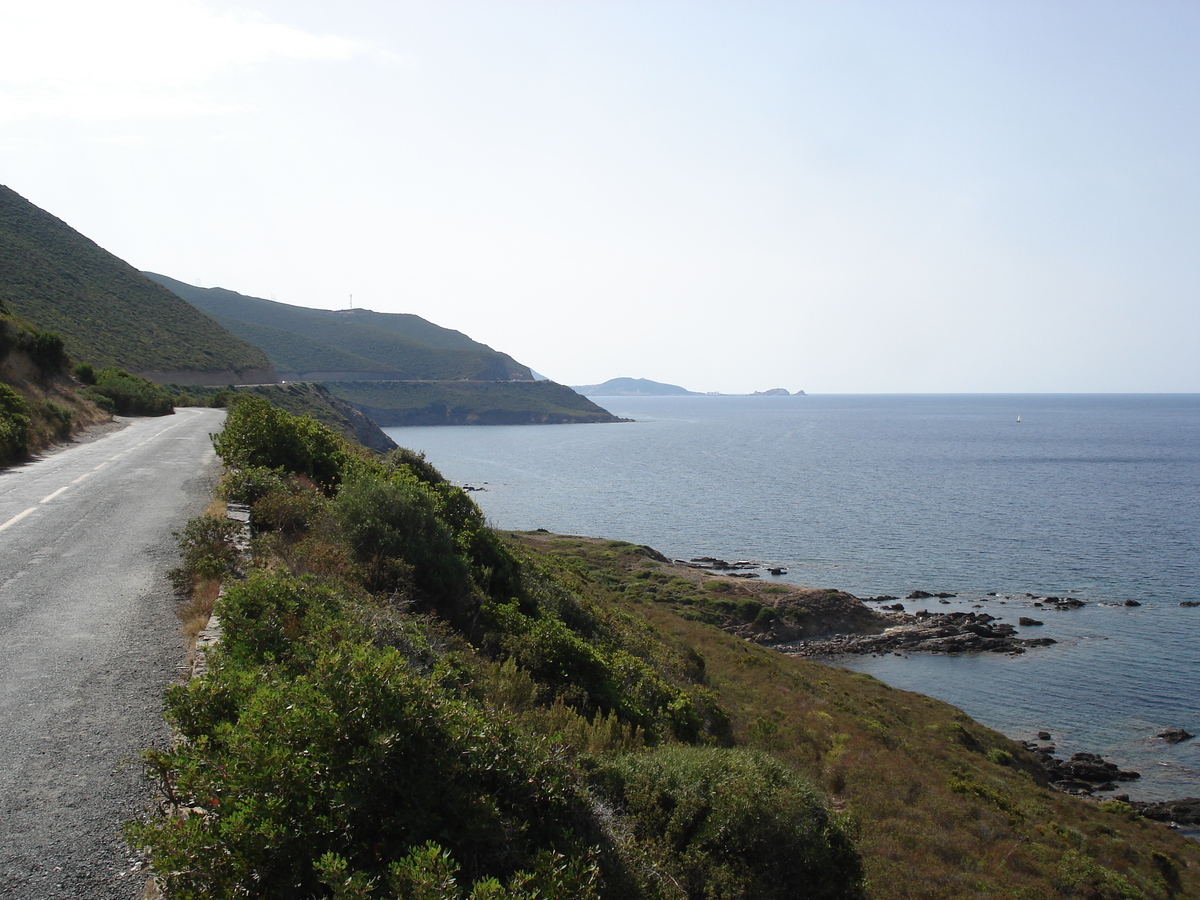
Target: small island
{"type": "Point", "coordinates": [644, 387]}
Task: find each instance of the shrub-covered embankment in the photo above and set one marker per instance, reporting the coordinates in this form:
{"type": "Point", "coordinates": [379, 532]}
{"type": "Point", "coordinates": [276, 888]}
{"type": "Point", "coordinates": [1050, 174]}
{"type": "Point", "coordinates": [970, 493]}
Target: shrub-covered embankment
{"type": "Point", "coordinates": [405, 705]}
{"type": "Point", "coordinates": [39, 403]}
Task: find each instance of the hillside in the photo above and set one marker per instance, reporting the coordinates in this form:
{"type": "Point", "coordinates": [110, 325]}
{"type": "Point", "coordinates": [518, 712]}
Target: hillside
{"type": "Point", "coordinates": [39, 403]}
{"type": "Point", "coordinates": [406, 703]}
{"type": "Point", "coordinates": [399, 369]}
{"type": "Point", "coordinates": [469, 403]}
{"type": "Point", "coordinates": [349, 345]}
{"type": "Point", "coordinates": [107, 312]}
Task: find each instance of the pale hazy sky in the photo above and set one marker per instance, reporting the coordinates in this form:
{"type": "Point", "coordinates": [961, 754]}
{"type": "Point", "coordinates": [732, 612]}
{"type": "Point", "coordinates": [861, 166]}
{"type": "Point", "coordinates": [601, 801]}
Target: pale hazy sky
{"type": "Point", "coordinates": [829, 196]}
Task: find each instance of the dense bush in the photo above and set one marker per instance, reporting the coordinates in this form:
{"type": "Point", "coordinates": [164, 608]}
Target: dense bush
{"type": "Point", "coordinates": [257, 435]}
{"type": "Point", "coordinates": [209, 549]}
{"type": "Point", "coordinates": [14, 424]}
{"type": "Point", "coordinates": [48, 352]}
{"type": "Point", "coordinates": [358, 757]}
{"type": "Point", "coordinates": [732, 824]}
{"type": "Point", "coordinates": [395, 531]}
{"type": "Point", "coordinates": [128, 395]}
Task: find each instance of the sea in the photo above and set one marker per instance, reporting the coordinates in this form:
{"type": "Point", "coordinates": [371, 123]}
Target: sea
{"type": "Point", "coordinates": [998, 499]}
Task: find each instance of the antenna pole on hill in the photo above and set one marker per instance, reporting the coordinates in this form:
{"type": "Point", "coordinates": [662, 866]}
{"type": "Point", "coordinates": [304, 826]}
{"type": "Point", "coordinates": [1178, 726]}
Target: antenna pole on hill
{"type": "Point", "coordinates": [352, 301]}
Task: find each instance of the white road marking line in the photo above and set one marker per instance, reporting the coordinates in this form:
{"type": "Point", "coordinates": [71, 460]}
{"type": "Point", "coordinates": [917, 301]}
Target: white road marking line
{"type": "Point", "coordinates": [50, 497]}
{"type": "Point", "coordinates": [81, 477]}
{"type": "Point", "coordinates": [99, 467]}
{"type": "Point", "coordinates": [17, 518]}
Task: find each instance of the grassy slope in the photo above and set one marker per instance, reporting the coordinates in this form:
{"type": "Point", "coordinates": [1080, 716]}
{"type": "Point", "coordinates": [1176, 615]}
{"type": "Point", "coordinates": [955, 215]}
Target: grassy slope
{"type": "Point", "coordinates": [945, 807]}
{"type": "Point", "coordinates": [312, 340]}
{"type": "Point", "coordinates": [393, 403]}
{"type": "Point", "coordinates": [107, 312]}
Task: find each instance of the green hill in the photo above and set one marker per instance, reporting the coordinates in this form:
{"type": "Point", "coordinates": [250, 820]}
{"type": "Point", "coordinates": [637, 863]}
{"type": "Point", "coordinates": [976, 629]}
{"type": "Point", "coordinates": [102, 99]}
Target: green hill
{"type": "Point", "coordinates": [397, 368]}
{"type": "Point", "coordinates": [106, 311]}
{"type": "Point", "coordinates": [349, 345]}
{"type": "Point", "coordinates": [392, 403]}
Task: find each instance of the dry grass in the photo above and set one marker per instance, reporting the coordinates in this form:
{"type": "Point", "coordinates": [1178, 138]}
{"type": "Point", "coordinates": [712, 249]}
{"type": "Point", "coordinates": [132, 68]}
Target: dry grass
{"type": "Point", "coordinates": [195, 611]}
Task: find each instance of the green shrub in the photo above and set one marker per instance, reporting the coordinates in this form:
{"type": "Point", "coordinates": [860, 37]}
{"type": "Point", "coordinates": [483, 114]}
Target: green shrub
{"type": "Point", "coordinates": [416, 463]}
{"type": "Point", "coordinates": [290, 510]}
{"type": "Point", "coordinates": [765, 618]}
{"type": "Point", "coordinates": [85, 372]}
{"type": "Point", "coordinates": [250, 484]}
{"type": "Point", "coordinates": [129, 395]}
{"type": "Point", "coordinates": [257, 435]}
{"type": "Point", "coordinates": [748, 610]}
{"type": "Point", "coordinates": [999, 756]}
{"type": "Point", "coordinates": [14, 425]}
{"type": "Point", "coordinates": [356, 757]}
{"type": "Point", "coordinates": [732, 824]}
{"type": "Point", "coordinates": [48, 352]}
{"type": "Point", "coordinates": [395, 531]}
{"type": "Point", "coordinates": [270, 618]}
{"type": "Point", "coordinates": [209, 549]}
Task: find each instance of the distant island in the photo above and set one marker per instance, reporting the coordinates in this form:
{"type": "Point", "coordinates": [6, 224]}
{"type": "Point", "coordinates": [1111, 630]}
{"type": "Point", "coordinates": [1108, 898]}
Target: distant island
{"type": "Point", "coordinates": [644, 387]}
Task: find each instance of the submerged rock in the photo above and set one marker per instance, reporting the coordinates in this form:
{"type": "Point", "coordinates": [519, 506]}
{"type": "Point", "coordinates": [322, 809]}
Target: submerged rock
{"type": "Point", "coordinates": [1175, 735]}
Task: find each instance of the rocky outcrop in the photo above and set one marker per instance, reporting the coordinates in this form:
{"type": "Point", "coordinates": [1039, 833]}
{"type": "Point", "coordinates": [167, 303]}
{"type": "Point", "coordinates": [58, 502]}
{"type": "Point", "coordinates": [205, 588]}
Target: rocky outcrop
{"type": "Point", "coordinates": [1181, 812]}
{"type": "Point", "coordinates": [926, 632]}
{"type": "Point", "coordinates": [1175, 735]}
{"type": "Point", "coordinates": [1082, 774]}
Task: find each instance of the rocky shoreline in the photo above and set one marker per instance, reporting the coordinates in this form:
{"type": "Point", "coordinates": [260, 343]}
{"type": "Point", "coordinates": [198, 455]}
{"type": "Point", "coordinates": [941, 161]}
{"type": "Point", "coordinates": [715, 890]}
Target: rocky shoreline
{"type": "Point", "coordinates": [923, 632]}
{"type": "Point", "coordinates": [1087, 774]}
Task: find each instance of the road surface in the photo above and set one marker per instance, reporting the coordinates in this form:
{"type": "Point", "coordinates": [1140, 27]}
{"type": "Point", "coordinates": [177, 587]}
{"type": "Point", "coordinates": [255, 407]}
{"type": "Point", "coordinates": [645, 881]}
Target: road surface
{"type": "Point", "coordinates": [88, 641]}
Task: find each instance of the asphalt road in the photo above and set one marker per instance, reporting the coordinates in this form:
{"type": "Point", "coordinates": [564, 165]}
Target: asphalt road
{"type": "Point", "coordinates": [88, 641]}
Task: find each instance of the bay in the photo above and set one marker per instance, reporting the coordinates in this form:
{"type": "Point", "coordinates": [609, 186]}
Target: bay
{"type": "Point", "coordinates": [1089, 496]}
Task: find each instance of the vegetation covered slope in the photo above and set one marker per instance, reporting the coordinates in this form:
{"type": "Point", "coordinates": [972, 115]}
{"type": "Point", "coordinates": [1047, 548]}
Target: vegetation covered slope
{"type": "Point", "coordinates": [327, 345]}
{"type": "Point", "coordinates": [39, 404]}
{"type": "Point", "coordinates": [408, 704]}
{"type": "Point", "coordinates": [107, 312]}
{"type": "Point", "coordinates": [393, 403]}
{"type": "Point", "coordinates": [397, 369]}
{"type": "Point", "coordinates": [402, 706]}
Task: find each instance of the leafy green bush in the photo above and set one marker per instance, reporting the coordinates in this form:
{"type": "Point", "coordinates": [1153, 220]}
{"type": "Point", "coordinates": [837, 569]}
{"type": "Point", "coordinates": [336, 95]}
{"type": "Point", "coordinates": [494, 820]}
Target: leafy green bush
{"type": "Point", "coordinates": [357, 757]}
{"type": "Point", "coordinates": [257, 435]}
{"type": "Point", "coordinates": [416, 463]}
{"type": "Point", "coordinates": [270, 618]}
{"type": "Point", "coordinates": [85, 372]}
{"type": "Point", "coordinates": [732, 824]}
{"type": "Point", "coordinates": [209, 548]}
{"type": "Point", "coordinates": [251, 483]}
{"type": "Point", "coordinates": [14, 424]}
{"type": "Point", "coordinates": [395, 531]}
{"type": "Point", "coordinates": [48, 352]}
{"type": "Point", "coordinates": [129, 395]}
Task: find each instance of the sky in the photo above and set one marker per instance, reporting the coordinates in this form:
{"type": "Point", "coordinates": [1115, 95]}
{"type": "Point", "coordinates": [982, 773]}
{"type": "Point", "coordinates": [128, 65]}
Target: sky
{"type": "Point", "coordinates": [836, 197]}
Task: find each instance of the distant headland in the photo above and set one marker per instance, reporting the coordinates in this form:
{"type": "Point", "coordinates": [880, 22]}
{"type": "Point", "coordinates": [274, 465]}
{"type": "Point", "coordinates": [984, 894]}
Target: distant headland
{"type": "Point", "coordinates": [644, 387]}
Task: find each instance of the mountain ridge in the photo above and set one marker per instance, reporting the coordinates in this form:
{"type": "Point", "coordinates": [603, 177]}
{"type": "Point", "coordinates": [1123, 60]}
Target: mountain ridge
{"type": "Point", "coordinates": [107, 312]}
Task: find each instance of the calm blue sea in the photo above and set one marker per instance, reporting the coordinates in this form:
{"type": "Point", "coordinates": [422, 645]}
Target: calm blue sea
{"type": "Point", "coordinates": [1091, 496]}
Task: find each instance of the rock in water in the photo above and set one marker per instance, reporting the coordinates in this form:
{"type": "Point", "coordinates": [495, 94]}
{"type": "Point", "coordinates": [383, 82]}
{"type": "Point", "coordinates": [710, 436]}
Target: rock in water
{"type": "Point", "coordinates": [1175, 735]}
